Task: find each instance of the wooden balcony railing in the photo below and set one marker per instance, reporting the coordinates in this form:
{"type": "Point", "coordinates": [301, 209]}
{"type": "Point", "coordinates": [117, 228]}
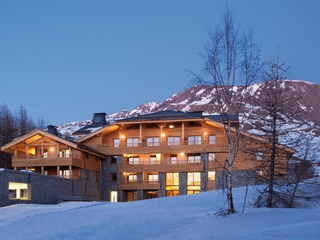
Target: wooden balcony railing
{"type": "Point", "coordinates": [180, 166]}
{"type": "Point", "coordinates": [50, 160]}
{"type": "Point", "coordinates": [163, 147]}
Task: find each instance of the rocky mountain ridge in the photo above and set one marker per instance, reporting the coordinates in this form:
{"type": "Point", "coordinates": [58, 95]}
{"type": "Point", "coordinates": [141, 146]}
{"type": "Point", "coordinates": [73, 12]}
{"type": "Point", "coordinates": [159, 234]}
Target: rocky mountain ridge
{"type": "Point", "coordinates": [201, 98]}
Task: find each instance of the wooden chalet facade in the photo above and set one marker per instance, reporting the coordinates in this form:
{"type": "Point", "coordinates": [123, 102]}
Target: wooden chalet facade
{"type": "Point", "coordinates": [48, 154]}
{"type": "Point", "coordinates": [170, 153]}
{"type": "Point", "coordinates": [160, 154]}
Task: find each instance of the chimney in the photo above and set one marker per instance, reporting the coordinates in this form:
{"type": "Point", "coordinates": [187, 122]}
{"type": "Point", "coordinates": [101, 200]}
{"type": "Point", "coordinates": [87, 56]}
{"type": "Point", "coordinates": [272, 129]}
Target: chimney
{"type": "Point", "coordinates": [99, 119]}
{"type": "Point", "coordinates": [53, 130]}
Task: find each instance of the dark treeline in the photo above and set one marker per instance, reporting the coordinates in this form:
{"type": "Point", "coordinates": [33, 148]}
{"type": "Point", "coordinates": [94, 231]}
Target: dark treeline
{"type": "Point", "coordinates": [13, 125]}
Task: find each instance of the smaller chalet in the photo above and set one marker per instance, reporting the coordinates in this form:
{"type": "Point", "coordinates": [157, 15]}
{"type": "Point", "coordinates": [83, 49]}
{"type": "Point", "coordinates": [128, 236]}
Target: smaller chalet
{"type": "Point", "coordinates": [50, 168]}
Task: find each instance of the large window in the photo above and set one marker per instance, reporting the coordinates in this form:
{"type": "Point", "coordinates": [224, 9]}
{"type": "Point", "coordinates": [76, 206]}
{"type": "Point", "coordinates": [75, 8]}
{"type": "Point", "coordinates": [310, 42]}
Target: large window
{"type": "Point", "coordinates": [19, 191]}
{"type": "Point", "coordinates": [194, 182]}
{"type": "Point", "coordinates": [194, 158]}
{"type": "Point", "coordinates": [172, 184]}
{"type": "Point", "coordinates": [194, 140]}
{"type": "Point", "coordinates": [173, 141]}
{"type": "Point", "coordinates": [153, 141]}
{"type": "Point", "coordinates": [133, 160]}
{"type": "Point", "coordinates": [132, 142]}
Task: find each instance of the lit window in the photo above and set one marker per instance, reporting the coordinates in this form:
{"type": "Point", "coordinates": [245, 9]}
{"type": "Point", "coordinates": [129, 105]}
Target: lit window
{"type": "Point", "coordinates": [194, 140]}
{"type": "Point", "coordinates": [173, 141]}
{"type": "Point", "coordinates": [64, 173]}
{"type": "Point", "coordinates": [194, 182]}
{"type": "Point", "coordinates": [116, 142]}
{"type": "Point", "coordinates": [211, 157]}
{"type": "Point", "coordinates": [153, 177]}
{"type": "Point", "coordinates": [19, 191]}
{"type": "Point", "coordinates": [194, 158]}
{"type": "Point", "coordinates": [132, 177]}
{"type": "Point", "coordinates": [153, 159]}
{"type": "Point", "coordinates": [153, 141]}
{"type": "Point", "coordinates": [172, 179]}
{"type": "Point", "coordinates": [212, 139]}
{"type": "Point", "coordinates": [132, 142]}
{"type": "Point", "coordinates": [172, 184]}
{"type": "Point", "coordinates": [133, 160]}
{"type": "Point", "coordinates": [113, 196]}
{"type": "Point", "coordinates": [211, 175]}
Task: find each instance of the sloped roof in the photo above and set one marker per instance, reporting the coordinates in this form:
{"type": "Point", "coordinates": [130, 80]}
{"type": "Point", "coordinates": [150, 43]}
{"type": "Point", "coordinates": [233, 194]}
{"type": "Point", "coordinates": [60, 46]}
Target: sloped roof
{"type": "Point", "coordinates": [40, 133]}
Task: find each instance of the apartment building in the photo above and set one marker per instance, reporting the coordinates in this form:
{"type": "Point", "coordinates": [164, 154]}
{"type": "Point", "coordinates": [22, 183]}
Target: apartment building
{"type": "Point", "coordinates": [170, 153]}
{"type": "Point", "coordinates": [160, 154]}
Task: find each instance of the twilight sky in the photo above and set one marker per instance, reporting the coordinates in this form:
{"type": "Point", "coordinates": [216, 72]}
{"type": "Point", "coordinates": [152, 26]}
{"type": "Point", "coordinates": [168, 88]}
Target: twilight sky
{"type": "Point", "coordinates": [66, 59]}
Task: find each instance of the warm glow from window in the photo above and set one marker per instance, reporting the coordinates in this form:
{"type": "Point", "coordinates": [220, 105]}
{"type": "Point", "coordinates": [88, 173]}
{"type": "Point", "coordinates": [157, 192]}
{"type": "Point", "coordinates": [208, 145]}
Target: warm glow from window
{"type": "Point", "coordinates": [211, 175]}
{"type": "Point", "coordinates": [19, 190]}
{"type": "Point", "coordinates": [158, 156]}
{"type": "Point", "coordinates": [32, 151]}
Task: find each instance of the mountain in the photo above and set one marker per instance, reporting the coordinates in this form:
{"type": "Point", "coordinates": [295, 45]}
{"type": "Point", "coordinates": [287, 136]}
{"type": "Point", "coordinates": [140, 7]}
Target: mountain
{"type": "Point", "coordinates": [201, 98]}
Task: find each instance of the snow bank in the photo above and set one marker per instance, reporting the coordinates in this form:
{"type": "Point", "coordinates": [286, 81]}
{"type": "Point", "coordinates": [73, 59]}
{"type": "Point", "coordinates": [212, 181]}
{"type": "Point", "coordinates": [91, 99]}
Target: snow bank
{"type": "Point", "coordinates": [182, 217]}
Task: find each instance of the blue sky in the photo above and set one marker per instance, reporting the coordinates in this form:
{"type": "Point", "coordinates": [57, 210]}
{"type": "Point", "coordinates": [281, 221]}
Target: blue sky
{"type": "Point", "coordinates": [66, 59]}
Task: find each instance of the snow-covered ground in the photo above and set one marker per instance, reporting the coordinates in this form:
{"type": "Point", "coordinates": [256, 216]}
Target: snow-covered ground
{"type": "Point", "coordinates": [182, 217]}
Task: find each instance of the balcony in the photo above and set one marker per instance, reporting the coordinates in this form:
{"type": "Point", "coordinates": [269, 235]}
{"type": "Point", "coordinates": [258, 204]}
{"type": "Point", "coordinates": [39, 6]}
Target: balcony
{"type": "Point", "coordinates": [45, 161]}
{"type": "Point", "coordinates": [180, 166]}
{"type": "Point", "coordinates": [145, 148]}
{"type": "Point", "coordinates": [141, 185]}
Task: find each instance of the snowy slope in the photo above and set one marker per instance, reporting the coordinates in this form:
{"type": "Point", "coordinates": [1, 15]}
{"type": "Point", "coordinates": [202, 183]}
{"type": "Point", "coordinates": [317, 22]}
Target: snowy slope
{"type": "Point", "coordinates": [201, 98]}
{"type": "Point", "coordinates": [182, 217]}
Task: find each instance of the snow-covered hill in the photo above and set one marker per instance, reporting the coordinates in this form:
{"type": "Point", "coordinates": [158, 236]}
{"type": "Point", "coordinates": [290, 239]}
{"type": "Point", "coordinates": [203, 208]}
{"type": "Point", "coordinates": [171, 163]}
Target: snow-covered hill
{"type": "Point", "coordinates": [201, 98]}
{"type": "Point", "coordinates": [181, 217]}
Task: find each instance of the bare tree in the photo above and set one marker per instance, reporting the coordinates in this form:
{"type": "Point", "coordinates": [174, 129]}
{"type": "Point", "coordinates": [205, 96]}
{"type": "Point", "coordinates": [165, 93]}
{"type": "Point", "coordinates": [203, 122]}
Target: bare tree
{"type": "Point", "coordinates": [7, 133]}
{"type": "Point", "coordinates": [281, 120]}
{"type": "Point", "coordinates": [24, 123]}
{"type": "Point", "coordinates": [231, 60]}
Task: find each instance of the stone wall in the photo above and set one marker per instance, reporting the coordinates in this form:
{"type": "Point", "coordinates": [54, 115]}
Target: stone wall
{"type": "Point", "coordinates": [45, 189]}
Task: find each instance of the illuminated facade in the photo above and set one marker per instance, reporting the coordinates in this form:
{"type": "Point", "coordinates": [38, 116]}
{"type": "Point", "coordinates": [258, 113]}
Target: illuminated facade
{"type": "Point", "coordinates": [166, 154]}
{"type": "Point", "coordinates": [160, 154]}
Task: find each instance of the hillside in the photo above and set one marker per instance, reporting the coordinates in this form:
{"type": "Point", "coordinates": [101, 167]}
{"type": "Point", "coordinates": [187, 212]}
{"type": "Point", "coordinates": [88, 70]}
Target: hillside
{"type": "Point", "coordinates": [201, 98]}
{"type": "Point", "coordinates": [180, 217]}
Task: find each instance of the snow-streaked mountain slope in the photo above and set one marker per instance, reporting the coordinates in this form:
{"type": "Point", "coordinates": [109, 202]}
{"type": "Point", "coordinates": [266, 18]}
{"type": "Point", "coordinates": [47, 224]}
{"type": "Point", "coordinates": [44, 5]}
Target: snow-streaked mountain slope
{"type": "Point", "coordinates": [181, 217]}
{"type": "Point", "coordinates": [201, 98]}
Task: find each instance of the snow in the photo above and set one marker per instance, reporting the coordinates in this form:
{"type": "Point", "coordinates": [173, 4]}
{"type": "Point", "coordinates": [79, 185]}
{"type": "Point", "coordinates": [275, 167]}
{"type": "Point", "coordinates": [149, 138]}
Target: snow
{"type": "Point", "coordinates": [181, 217]}
{"type": "Point", "coordinates": [200, 92]}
